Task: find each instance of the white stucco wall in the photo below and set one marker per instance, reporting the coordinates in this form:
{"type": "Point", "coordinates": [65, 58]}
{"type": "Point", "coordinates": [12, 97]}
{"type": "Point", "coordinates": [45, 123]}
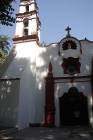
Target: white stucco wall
{"type": "Point", "coordinates": [9, 101]}
{"type": "Point", "coordinates": [31, 66]}
{"type": "Point", "coordinates": [23, 66]}
{"type": "Point", "coordinates": [45, 55]}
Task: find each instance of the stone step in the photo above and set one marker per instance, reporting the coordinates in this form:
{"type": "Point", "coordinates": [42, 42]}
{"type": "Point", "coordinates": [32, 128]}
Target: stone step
{"type": "Point", "coordinates": [8, 131]}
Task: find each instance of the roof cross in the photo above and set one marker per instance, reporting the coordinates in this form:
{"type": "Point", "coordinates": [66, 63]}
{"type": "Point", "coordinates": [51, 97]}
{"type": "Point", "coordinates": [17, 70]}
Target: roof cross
{"type": "Point", "coordinates": [68, 29]}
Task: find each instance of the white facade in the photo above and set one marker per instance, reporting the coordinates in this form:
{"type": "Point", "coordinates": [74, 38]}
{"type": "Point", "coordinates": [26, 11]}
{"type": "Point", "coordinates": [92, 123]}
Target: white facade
{"type": "Point", "coordinates": [29, 68]}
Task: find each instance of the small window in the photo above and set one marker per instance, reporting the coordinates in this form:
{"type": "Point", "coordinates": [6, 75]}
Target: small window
{"type": "Point", "coordinates": [26, 23]}
{"type": "Point", "coordinates": [27, 8]}
{"type": "Point", "coordinates": [25, 32]}
{"type": "Point", "coordinates": [69, 45]}
{"type": "Point", "coordinates": [71, 65]}
{"type": "Point", "coordinates": [25, 28]}
{"type": "Point", "coordinates": [71, 69]}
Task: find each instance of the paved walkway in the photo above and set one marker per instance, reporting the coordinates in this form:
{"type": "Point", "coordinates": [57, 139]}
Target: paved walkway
{"type": "Point", "coordinates": [41, 133]}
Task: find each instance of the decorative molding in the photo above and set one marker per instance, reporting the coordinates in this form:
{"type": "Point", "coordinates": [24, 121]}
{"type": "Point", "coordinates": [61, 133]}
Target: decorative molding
{"type": "Point", "coordinates": [26, 38]}
{"type": "Point", "coordinates": [72, 77]}
{"type": "Point", "coordinates": [66, 39]}
{"type": "Point", "coordinates": [26, 13]}
{"type": "Point", "coordinates": [11, 79]}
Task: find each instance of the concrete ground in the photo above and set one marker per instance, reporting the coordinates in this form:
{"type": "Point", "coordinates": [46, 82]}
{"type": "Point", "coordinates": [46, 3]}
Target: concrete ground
{"type": "Point", "coordinates": [42, 133]}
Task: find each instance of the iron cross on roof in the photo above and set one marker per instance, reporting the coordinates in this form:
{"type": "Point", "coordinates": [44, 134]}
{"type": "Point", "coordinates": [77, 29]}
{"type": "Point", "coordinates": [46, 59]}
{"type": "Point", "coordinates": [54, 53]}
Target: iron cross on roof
{"type": "Point", "coordinates": [68, 29]}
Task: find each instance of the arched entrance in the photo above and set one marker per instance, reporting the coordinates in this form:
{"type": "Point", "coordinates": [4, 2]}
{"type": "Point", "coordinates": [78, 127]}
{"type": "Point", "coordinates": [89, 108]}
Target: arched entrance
{"type": "Point", "coordinates": [73, 108]}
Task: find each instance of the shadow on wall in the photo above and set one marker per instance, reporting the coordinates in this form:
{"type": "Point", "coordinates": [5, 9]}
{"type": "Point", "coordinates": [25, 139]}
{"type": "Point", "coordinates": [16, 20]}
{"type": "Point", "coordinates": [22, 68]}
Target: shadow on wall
{"type": "Point", "coordinates": [8, 101]}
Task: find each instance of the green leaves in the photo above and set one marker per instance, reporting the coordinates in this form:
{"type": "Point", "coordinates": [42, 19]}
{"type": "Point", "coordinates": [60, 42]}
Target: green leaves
{"type": "Point", "coordinates": [2, 56]}
{"type": "Point", "coordinates": [6, 12]}
{"type": "Point", "coordinates": [4, 48]}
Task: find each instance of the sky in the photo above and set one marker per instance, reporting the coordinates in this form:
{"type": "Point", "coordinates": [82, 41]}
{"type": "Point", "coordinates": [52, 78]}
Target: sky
{"type": "Point", "coordinates": [56, 15]}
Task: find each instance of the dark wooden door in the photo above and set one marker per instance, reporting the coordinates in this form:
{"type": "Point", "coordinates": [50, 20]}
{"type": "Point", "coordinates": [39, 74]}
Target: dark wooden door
{"type": "Point", "coordinates": [73, 108]}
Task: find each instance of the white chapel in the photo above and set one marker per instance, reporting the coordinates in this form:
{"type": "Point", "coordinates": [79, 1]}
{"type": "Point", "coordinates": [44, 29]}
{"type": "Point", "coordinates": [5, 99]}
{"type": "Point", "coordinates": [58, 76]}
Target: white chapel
{"type": "Point", "coordinates": [48, 85]}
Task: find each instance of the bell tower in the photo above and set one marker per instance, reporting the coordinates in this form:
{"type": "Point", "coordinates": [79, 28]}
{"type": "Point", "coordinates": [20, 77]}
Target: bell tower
{"type": "Point", "coordinates": [27, 22]}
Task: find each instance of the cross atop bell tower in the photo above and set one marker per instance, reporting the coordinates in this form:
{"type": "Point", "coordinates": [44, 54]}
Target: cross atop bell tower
{"type": "Point", "coordinates": [68, 29]}
{"type": "Point", "coordinates": [27, 22]}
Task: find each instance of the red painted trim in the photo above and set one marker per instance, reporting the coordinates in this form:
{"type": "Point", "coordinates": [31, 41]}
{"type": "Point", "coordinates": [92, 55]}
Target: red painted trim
{"type": "Point", "coordinates": [26, 41]}
{"type": "Point", "coordinates": [49, 99]}
{"type": "Point", "coordinates": [23, 38]}
{"type": "Point", "coordinates": [26, 13]}
{"type": "Point", "coordinates": [50, 69]}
